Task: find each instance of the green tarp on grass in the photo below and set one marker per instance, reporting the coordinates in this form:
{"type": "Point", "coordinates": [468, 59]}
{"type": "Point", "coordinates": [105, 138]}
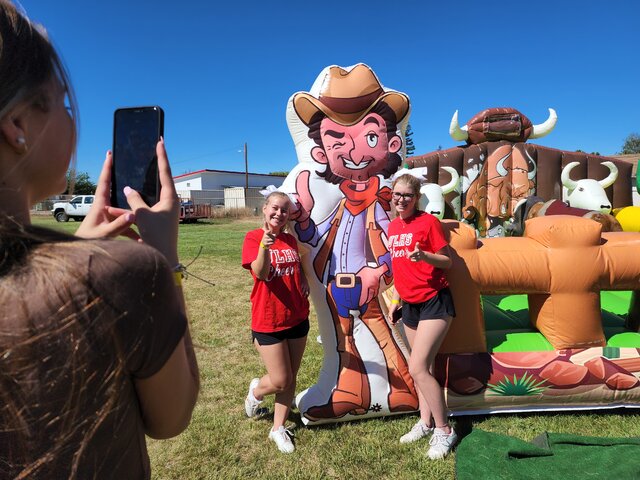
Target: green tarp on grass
{"type": "Point", "coordinates": [485, 455]}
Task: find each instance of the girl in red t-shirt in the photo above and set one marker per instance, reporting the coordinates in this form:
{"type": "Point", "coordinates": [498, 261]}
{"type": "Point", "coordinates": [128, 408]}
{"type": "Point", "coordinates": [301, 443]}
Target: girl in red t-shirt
{"type": "Point", "coordinates": [419, 254]}
{"type": "Point", "coordinates": [279, 313]}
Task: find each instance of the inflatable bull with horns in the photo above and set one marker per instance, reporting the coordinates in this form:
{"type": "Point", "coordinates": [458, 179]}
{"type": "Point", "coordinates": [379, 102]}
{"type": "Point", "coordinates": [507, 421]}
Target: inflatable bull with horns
{"type": "Point", "coordinates": [499, 169]}
{"type": "Point", "coordinates": [587, 193]}
{"type": "Point", "coordinates": [431, 194]}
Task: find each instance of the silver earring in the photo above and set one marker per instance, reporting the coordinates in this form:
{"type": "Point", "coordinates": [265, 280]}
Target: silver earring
{"type": "Point", "coordinates": [23, 144]}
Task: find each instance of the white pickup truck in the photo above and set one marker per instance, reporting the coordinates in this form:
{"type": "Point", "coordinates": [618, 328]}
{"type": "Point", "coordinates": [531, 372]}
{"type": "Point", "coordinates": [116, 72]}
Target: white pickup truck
{"type": "Point", "coordinates": [77, 208]}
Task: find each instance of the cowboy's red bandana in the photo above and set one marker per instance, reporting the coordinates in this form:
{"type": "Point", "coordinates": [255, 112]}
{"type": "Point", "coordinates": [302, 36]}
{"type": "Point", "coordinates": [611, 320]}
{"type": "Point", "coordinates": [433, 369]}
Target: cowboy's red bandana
{"type": "Point", "coordinates": [359, 200]}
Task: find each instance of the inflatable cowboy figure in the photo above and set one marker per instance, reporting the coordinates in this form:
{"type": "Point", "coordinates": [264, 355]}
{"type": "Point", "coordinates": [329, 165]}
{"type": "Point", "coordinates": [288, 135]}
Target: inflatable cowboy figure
{"type": "Point", "coordinates": [353, 124]}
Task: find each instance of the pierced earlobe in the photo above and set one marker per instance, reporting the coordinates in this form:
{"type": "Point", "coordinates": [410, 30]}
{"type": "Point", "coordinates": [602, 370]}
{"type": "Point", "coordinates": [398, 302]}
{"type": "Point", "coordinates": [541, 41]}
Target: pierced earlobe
{"type": "Point", "coordinates": [23, 143]}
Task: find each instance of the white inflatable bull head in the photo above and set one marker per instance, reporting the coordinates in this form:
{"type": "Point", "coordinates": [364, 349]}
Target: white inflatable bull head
{"type": "Point", "coordinates": [588, 193]}
{"type": "Point", "coordinates": [431, 194]}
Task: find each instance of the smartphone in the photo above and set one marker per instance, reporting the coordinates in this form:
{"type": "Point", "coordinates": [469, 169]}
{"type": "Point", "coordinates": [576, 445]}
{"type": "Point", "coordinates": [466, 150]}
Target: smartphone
{"type": "Point", "coordinates": [397, 315]}
{"type": "Point", "coordinates": [136, 132]}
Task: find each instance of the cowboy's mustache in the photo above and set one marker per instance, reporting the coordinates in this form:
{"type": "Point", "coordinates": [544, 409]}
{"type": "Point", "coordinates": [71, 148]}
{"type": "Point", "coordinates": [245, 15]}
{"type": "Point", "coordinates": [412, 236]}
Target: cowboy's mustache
{"type": "Point", "coordinates": [348, 158]}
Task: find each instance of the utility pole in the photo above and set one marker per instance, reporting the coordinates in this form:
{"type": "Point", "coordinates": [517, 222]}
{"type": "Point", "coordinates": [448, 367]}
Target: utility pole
{"type": "Point", "coordinates": [246, 171]}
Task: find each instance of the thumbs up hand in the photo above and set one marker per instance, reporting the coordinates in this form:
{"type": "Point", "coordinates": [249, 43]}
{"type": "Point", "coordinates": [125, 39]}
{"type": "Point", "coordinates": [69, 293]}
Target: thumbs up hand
{"type": "Point", "coordinates": [417, 254]}
{"type": "Point", "coordinates": [269, 237]}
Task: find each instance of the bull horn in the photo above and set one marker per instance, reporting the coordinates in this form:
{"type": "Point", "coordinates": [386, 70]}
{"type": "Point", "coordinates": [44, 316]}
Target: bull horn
{"type": "Point", "coordinates": [455, 131]}
{"type": "Point", "coordinates": [451, 186]}
{"type": "Point", "coordinates": [613, 175]}
{"type": "Point", "coordinates": [546, 127]}
{"type": "Point", "coordinates": [500, 165]}
{"type": "Point", "coordinates": [566, 179]}
{"type": "Point", "coordinates": [532, 173]}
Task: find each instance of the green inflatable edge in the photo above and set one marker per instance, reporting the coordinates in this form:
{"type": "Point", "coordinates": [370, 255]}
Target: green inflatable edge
{"type": "Point", "coordinates": [508, 329]}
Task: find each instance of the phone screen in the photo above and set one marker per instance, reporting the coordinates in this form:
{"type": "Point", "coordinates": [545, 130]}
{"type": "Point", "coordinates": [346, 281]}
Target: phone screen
{"type": "Point", "coordinates": [136, 132]}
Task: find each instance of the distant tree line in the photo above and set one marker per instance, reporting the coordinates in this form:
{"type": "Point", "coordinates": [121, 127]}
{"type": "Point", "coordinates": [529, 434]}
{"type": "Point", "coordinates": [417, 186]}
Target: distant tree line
{"type": "Point", "coordinates": [631, 144]}
{"type": "Point", "coordinates": [408, 141]}
{"type": "Point", "coordinates": [79, 183]}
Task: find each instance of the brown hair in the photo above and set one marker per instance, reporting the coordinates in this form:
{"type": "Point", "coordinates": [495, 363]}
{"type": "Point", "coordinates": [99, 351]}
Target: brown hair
{"type": "Point", "coordinates": [28, 62]}
{"type": "Point", "coordinates": [44, 360]}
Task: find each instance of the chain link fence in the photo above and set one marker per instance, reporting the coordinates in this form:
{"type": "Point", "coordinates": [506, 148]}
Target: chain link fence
{"type": "Point", "coordinates": [232, 201]}
{"type": "Point", "coordinates": [46, 206]}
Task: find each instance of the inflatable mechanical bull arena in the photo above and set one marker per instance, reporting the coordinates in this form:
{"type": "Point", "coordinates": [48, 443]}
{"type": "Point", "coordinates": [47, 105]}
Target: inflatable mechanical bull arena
{"type": "Point", "coordinates": [532, 331]}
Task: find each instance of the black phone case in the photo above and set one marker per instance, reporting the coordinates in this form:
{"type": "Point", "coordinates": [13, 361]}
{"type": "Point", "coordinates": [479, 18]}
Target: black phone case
{"type": "Point", "coordinates": [149, 192]}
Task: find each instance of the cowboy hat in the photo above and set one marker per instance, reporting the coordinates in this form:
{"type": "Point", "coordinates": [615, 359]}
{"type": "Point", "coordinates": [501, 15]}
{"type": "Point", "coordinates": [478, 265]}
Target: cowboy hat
{"type": "Point", "coordinates": [347, 96]}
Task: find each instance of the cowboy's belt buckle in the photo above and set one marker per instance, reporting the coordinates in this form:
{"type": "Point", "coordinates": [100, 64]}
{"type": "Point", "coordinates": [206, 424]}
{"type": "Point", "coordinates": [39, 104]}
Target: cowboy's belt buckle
{"type": "Point", "coordinates": [345, 280]}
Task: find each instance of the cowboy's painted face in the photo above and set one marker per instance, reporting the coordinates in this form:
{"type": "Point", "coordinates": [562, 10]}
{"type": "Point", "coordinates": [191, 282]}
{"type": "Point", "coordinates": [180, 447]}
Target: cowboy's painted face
{"type": "Point", "coordinates": [356, 152]}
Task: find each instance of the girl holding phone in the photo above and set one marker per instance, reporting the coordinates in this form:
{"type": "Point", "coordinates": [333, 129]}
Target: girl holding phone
{"type": "Point", "coordinates": [279, 313]}
{"type": "Point", "coordinates": [88, 367]}
{"type": "Point", "coordinates": [419, 256]}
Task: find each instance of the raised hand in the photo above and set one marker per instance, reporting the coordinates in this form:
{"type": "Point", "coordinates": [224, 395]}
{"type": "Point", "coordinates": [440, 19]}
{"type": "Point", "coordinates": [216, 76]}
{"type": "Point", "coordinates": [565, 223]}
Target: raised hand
{"type": "Point", "coordinates": [158, 225]}
{"type": "Point", "coordinates": [417, 254]}
{"type": "Point", "coordinates": [269, 236]}
{"type": "Point", "coordinates": [104, 220]}
{"type": "Point", "coordinates": [305, 201]}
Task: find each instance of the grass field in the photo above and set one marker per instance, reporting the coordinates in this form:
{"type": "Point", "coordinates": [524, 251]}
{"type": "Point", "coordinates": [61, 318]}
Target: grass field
{"type": "Point", "coordinates": [222, 443]}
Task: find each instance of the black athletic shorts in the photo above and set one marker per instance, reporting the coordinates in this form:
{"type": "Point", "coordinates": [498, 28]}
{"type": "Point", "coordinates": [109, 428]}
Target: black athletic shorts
{"type": "Point", "coordinates": [438, 306]}
{"type": "Point", "coordinates": [272, 338]}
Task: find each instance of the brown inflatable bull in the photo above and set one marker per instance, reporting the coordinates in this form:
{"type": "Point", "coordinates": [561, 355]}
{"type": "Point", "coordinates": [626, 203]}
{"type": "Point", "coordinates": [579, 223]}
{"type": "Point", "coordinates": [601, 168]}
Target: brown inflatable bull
{"type": "Point", "coordinates": [499, 168]}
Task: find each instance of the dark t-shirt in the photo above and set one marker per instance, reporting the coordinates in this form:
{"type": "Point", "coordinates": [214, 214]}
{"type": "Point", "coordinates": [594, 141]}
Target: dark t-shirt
{"type": "Point", "coordinates": [95, 316]}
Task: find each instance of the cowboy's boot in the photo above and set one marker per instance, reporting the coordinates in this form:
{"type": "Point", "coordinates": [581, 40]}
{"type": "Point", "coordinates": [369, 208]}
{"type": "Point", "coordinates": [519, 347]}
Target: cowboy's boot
{"type": "Point", "coordinates": [402, 392]}
{"type": "Point", "coordinates": [352, 392]}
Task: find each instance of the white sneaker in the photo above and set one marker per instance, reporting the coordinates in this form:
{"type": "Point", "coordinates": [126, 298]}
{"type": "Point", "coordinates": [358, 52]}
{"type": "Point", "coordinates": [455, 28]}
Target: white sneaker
{"type": "Point", "coordinates": [251, 404]}
{"type": "Point", "coordinates": [418, 431]}
{"type": "Point", "coordinates": [282, 437]}
{"type": "Point", "coordinates": [441, 443]}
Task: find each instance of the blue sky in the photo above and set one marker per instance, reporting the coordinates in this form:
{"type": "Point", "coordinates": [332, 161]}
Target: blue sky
{"type": "Point", "coordinates": [223, 71]}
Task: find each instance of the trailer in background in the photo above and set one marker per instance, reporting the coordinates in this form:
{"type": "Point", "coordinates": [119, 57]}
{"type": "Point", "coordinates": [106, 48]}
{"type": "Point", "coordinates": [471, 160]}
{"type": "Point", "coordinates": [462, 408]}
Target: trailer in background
{"type": "Point", "coordinates": [191, 212]}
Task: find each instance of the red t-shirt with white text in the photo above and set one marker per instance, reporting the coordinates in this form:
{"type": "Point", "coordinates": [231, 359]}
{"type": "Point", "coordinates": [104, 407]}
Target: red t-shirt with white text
{"type": "Point", "coordinates": [277, 303]}
{"type": "Point", "coordinates": [416, 282]}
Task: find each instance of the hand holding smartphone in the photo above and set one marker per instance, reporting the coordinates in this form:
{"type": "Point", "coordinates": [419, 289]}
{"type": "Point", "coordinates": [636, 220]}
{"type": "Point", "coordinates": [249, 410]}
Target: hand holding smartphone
{"type": "Point", "coordinates": [397, 315]}
{"type": "Point", "coordinates": [136, 132]}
